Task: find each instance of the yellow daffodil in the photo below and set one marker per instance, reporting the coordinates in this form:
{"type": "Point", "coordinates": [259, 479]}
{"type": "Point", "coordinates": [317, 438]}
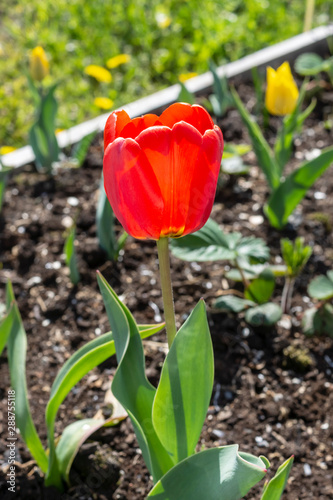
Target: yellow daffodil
{"type": "Point", "coordinates": [4, 150]}
{"type": "Point", "coordinates": [186, 76]}
{"type": "Point", "coordinates": [103, 102]}
{"type": "Point", "coordinates": [282, 92]}
{"type": "Point", "coordinates": [116, 61]}
{"type": "Point", "coordinates": [99, 73]}
{"type": "Point", "coordinates": [39, 65]}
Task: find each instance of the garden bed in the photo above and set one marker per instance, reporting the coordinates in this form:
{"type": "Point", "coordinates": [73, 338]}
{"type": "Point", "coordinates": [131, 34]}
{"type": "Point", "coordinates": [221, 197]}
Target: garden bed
{"type": "Point", "coordinates": [261, 400]}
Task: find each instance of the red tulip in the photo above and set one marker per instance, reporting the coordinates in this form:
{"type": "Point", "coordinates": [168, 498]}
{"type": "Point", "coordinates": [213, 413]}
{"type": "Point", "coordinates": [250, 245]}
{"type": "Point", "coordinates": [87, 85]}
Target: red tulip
{"type": "Point", "coordinates": [160, 173]}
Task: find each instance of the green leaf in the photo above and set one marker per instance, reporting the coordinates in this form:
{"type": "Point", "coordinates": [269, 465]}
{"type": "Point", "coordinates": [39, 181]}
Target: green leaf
{"type": "Point", "coordinates": [232, 303]}
{"type": "Point", "coordinates": [130, 385]}
{"type": "Point", "coordinates": [295, 254]}
{"type": "Point", "coordinates": [221, 100]}
{"type": "Point", "coordinates": [80, 149]}
{"type": "Point", "coordinates": [234, 166]}
{"type": "Point", "coordinates": [274, 489]}
{"type": "Point", "coordinates": [261, 289]}
{"type": "Point", "coordinates": [321, 288]}
{"type": "Point", "coordinates": [183, 394]}
{"type": "Point", "coordinates": [16, 351]}
{"type": "Point", "coordinates": [287, 196]}
{"type": "Point", "coordinates": [210, 243]}
{"type": "Point", "coordinates": [75, 368]}
{"type": "Point", "coordinates": [261, 148]}
{"type": "Point", "coordinates": [309, 64]}
{"type": "Point", "coordinates": [264, 315]}
{"type": "Point", "coordinates": [3, 181]}
{"type": "Point", "coordinates": [71, 439]}
{"type": "Point", "coordinates": [185, 95]}
{"type": "Point", "coordinates": [216, 474]}
{"type": "Point", "coordinates": [70, 255]}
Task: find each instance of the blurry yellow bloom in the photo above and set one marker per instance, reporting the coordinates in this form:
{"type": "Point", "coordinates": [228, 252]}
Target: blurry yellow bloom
{"type": "Point", "coordinates": [163, 20]}
{"type": "Point", "coordinates": [186, 76]}
{"type": "Point", "coordinates": [116, 61]}
{"type": "Point", "coordinates": [58, 130]}
{"type": "Point", "coordinates": [103, 102]}
{"type": "Point", "coordinates": [282, 92]}
{"type": "Point", "coordinates": [99, 73]}
{"type": "Point", "coordinates": [39, 65]}
{"type": "Point", "coordinates": [4, 150]}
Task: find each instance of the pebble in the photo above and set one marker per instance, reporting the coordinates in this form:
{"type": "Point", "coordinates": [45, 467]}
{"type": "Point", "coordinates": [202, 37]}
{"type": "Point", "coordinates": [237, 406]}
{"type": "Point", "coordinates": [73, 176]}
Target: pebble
{"type": "Point", "coordinates": [311, 155]}
{"type": "Point", "coordinates": [218, 433]}
{"type": "Point", "coordinates": [307, 470]}
{"type": "Point", "coordinates": [72, 201]}
{"type": "Point", "coordinates": [256, 220]}
{"type": "Point", "coordinates": [318, 195]}
{"type": "Point", "coordinates": [67, 221]}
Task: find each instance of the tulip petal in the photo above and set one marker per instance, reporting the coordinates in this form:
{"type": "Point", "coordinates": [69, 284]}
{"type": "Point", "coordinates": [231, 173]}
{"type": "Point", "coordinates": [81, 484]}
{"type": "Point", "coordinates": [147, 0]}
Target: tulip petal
{"type": "Point", "coordinates": [114, 125]}
{"type": "Point", "coordinates": [137, 125]}
{"type": "Point", "coordinates": [194, 115]}
{"type": "Point", "coordinates": [132, 189]}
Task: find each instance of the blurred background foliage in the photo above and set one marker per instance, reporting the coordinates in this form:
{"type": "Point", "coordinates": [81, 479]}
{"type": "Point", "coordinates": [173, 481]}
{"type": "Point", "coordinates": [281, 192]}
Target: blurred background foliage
{"type": "Point", "coordinates": [164, 39]}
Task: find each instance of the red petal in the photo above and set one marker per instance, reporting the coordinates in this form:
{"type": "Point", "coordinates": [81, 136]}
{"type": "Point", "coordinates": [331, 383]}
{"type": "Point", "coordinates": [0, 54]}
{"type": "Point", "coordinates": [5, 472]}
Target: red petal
{"type": "Point", "coordinates": [194, 115]}
{"type": "Point", "coordinates": [204, 180]}
{"type": "Point", "coordinates": [173, 155]}
{"type": "Point", "coordinates": [139, 124]}
{"type": "Point", "coordinates": [114, 125]}
{"type": "Point", "coordinates": [132, 189]}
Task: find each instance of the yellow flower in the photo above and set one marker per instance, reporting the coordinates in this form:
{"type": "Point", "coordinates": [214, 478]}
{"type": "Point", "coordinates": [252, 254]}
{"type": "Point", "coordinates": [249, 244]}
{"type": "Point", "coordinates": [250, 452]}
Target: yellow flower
{"type": "Point", "coordinates": [4, 150]}
{"type": "Point", "coordinates": [162, 19]}
{"type": "Point", "coordinates": [99, 73]}
{"type": "Point", "coordinates": [39, 65]}
{"type": "Point", "coordinates": [103, 102]}
{"type": "Point", "coordinates": [186, 76]}
{"type": "Point", "coordinates": [282, 92]}
{"type": "Point", "coordinates": [58, 130]}
{"type": "Point", "coordinates": [116, 61]}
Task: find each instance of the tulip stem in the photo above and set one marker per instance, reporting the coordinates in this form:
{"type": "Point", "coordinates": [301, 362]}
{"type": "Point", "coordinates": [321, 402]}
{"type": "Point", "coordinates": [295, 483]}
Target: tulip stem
{"type": "Point", "coordinates": [169, 309]}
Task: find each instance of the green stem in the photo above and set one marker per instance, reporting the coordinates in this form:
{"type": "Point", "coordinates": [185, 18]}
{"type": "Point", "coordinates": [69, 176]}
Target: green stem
{"type": "Point", "coordinates": [169, 309]}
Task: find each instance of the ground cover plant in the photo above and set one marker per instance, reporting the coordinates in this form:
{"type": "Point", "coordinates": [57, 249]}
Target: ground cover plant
{"type": "Point", "coordinates": [256, 371]}
{"type": "Point", "coordinates": [163, 42]}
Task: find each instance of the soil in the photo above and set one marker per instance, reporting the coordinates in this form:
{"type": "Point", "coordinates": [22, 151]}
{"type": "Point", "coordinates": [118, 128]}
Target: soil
{"type": "Point", "coordinates": [264, 399]}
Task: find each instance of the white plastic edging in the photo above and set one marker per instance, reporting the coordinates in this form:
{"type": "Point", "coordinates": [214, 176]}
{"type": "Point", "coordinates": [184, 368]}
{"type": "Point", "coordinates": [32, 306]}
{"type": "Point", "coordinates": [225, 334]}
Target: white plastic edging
{"type": "Point", "coordinates": [152, 103]}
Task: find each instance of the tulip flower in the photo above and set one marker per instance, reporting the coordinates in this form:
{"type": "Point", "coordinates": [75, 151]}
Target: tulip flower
{"type": "Point", "coordinates": [160, 173]}
{"type": "Point", "coordinates": [282, 92]}
{"type": "Point", "coordinates": [39, 65]}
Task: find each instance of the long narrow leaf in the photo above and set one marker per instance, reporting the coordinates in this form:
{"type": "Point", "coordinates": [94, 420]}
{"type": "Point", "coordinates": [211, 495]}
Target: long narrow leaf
{"type": "Point", "coordinates": [274, 489]}
{"type": "Point", "coordinates": [288, 195]}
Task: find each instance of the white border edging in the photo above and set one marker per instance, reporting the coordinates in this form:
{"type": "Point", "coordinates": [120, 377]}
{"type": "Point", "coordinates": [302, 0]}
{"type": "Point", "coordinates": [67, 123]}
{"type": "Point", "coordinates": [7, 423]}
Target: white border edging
{"type": "Point", "coordinates": [152, 103]}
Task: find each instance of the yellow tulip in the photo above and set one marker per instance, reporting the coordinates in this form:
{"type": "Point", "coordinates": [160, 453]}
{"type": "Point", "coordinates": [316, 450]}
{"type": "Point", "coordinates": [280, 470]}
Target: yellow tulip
{"type": "Point", "coordinates": [282, 92]}
{"type": "Point", "coordinates": [39, 65]}
{"type": "Point", "coordinates": [99, 73]}
{"type": "Point", "coordinates": [116, 61]}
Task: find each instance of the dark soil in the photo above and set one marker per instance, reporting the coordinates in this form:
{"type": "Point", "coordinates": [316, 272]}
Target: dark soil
{"type": "Point", "coordinates": [262, 399]}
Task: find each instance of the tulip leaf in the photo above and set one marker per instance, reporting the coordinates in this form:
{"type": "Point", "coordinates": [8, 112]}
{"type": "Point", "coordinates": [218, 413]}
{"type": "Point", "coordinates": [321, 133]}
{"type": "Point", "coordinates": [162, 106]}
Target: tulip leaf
{"type": "Point", "coordinates": [263, 152]}
{"type": "Point", "coordinates": [321, 288]}
{"type": "Point", "coordinates": [286, 197]}
{"type": "Point", "coordinates": [261, 289]}
{"type": "Point", "coordinates": [6, 324]}
{"type": "Point", "coordinates": [263, 315]}
{"type": "Point", "coordinates": [75, 368]}
{"type": "Point", "coordinates": [273, 489]}
{"type": "Point", "coordinates": [217, 473]}
{"type": "Point", "coordinates": [80, 149]}
{"type": "Point", "coordinates": [130, 384]}
{"type": "Point", "coordinates": [70, 256]}
{"type": "Point", "coordinates": [210, 243]}
{"type": "Point", "coordinates": [16, 351]}
{"type": "Point", "coordinates": [183, 394]}
{"type": "Point", "coordinates": [232, 303]}
{"type": "Point", "coordinates": [185, 95]}
{"type": "Point", "coordinates": [71, 439]}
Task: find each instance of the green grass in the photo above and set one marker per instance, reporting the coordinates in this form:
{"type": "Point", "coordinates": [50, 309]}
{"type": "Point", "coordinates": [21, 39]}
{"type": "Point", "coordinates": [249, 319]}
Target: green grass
{"type": "Point", "coordinates": [75, 33]}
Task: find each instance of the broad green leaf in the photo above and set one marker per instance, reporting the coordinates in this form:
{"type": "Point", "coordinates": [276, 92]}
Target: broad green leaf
{"type": "Point", "coordinates": [261, 289]}
{"type": "Point", "coordinates": [264, 315]}
{"type": "Point", "coordinates": [309, 64]}
{"type": "Point", "coordinates": [216, 474]}
{"type": "Point", "coordinates": [288, 195]}
{"type": "Point", "coordinates": [321, 288]}
{"type": "Point", "coordinates": [130, 385]}
{"type": "Point", "coordinates": [232, 303]}
{"type": "Point", "coordinates": [16, 351]}
{"type": "Point", "coordinates": [71, 439]}
{"type": "Point", "coordinates": [185, 95]}
{"type": "Point", "coordinates": [211, 243]}
{"type": "Point", "coordinates": [75, 368]}
{"type": "Point", "coordinates": [70, 255]}
{"type": "Point", "coordinates": [252, 271]}
{"type": "Point", "coordinates": [274, 489]}
{"type": "Point", "coordinates": [183, 394]}
{"type": "Point", "coordinates": [261, 148]}
{"type": "Point", "coordinates": [318, 321]}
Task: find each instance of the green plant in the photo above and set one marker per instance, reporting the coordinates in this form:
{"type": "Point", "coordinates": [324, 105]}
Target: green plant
{"type": "Point", "coordinates": [70, 256]}
{"type": "Point", "coordinates": [319, 319]}
{"type": "Point", "coordinates": [221, 100]}
{"type": "Point", "coordinates": [312, 64]}
{"type": "Point", "coordinates": [4, 171]}
{"type": "Point", "coordinates": [55, 462]}
{"type": "Point", "coordinates": [295, 254]}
